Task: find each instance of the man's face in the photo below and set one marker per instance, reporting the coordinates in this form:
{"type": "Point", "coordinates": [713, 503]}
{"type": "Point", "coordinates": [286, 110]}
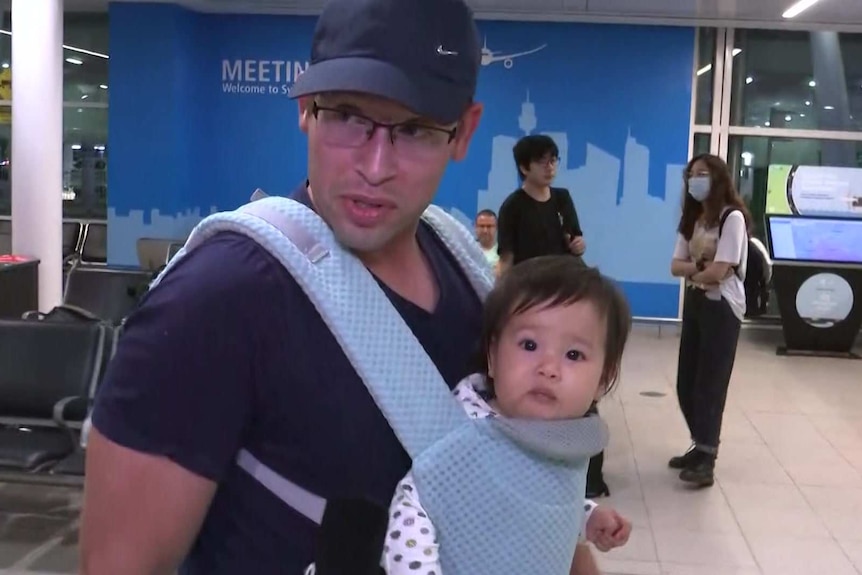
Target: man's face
{"type": "Point", "coordinates": [486, 230]}
{"type": "Point", "coordinates": [541, 172]}
{"type": "Point", "coordinates": [372, 192]}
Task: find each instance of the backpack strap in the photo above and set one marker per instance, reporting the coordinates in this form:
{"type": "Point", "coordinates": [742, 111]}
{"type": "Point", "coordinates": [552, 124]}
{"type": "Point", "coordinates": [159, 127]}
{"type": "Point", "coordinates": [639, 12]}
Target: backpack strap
{"type": "Point", "coordinates": [406, 385]}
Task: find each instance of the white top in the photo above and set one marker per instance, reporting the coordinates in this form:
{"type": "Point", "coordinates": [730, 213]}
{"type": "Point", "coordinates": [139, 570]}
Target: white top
{"type": "Point", "coordinates": [491, 255]}
{"type": "Point", "coordinates": [731, 248]}
{"type": "Point", "coordinates": [411, 539]}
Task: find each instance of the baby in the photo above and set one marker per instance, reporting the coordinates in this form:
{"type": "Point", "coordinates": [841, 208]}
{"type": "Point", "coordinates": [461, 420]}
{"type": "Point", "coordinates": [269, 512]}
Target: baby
{"type": "Point", "coordinates": [553, 338]}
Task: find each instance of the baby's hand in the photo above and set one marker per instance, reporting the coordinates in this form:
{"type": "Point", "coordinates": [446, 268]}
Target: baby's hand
{"type": "Point", "coordinates": [607, 529]}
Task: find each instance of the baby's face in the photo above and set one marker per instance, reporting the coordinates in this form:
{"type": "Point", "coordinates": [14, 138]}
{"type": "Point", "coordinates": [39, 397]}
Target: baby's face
{"type": "Point", "coordinates": [548, 362]}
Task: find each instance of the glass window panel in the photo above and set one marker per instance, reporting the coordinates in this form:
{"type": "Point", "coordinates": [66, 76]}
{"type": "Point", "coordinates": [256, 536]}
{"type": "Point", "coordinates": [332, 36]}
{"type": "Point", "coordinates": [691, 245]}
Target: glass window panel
{"type": "Point", "coordinates": [85, 66]}
{"type": "Point", "coordinates": [802, 80]}
{"type": "Point", "coordinates": [704, 76]}
{"type": "Point", "coordinates": [5, 154]}
{"type": "Point", "coordinates": [85, 162]}
{"type": "Point", "coordinates": [701, 144]}
{"type": "Point", "coordinates": [749, 158]}
{"type": "Point", "coordinates": [5, 56]}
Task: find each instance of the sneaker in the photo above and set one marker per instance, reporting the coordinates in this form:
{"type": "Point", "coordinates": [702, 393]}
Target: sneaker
{"type": "Point", "coordinates": [702, 474]}
{"type": "Point", "coordinates": [683, 461]}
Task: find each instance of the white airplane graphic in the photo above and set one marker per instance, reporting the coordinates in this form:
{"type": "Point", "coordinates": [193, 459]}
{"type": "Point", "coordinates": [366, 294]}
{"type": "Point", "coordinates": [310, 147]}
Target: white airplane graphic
{"type": "Point", "coordinates": [489, 56]}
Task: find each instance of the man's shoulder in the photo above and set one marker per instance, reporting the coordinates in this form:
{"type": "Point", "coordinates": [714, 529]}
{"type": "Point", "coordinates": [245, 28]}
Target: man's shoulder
{"type": "Point", "coordinates": [513, 198]}
{"type": "Point", "coordinates": [227, 265]}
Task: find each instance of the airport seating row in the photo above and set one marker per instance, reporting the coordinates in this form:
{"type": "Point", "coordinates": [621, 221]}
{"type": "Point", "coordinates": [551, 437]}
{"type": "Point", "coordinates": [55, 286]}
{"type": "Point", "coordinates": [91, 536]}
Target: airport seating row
{"type": "Point", "coordinates": [50, 369]}
{"type": "Point", "coordinates": [86, 241]}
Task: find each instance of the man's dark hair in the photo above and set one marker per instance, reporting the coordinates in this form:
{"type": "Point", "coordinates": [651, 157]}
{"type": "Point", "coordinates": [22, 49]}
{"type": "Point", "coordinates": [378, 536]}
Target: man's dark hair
{"type": "Point", "coordinates": [548, 281]}
{"type": "Point", "coordinates": [486, 212]}
{"type": "Point", "coordinates": [531, 149]}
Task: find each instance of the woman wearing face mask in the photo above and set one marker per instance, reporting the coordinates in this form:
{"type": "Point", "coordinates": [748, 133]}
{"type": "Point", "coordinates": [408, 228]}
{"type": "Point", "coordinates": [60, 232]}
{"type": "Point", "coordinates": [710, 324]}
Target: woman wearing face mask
{"type": "Point", "coordinates": [712, 254]}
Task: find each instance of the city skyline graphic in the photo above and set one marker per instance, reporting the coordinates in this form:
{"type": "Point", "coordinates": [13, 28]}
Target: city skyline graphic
{"type": "Point", "coordinates": [622, 246]}
{"type": "Point", "coordinates": [615, 98]}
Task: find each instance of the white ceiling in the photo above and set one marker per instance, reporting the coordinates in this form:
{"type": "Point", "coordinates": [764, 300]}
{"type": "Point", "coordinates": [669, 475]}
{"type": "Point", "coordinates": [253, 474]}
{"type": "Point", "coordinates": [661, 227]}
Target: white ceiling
{"type": "Point", "coordinates": [843, 15]}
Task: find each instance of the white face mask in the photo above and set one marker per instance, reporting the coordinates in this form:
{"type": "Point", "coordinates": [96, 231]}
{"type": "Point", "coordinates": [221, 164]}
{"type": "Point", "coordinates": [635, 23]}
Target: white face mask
{"type": "Point", "coordinates": [698, 187]}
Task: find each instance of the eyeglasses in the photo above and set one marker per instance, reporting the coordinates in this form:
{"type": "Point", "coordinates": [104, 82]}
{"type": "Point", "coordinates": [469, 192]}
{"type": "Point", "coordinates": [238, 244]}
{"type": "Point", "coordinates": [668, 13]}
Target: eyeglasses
{"type": "Point", "coordinates": [550, 162]}
{"type": "Point", "coordinates": [349, 129]}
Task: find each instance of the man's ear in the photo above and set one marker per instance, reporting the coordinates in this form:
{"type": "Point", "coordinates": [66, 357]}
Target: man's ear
{"type": "Point", "coordinates": [304, 112]}
{"type": "Point", "coordinates": [466, 128]}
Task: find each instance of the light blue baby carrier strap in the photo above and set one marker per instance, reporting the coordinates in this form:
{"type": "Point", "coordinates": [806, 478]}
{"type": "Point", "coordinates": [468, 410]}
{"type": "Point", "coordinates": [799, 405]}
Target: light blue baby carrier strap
{"type": "Point", "coordinates": [407, 387]}
{"type": "Point", "coordinates": [506, 496]}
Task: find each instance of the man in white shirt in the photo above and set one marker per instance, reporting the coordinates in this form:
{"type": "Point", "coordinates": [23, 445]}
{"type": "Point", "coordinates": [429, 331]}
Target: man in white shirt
{"type": "Point", "coordinates": [486, 235]}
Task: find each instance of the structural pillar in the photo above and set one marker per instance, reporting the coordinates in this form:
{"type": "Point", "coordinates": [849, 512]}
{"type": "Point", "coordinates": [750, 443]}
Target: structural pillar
{"type": "Point", "coordinates": [37, 140]}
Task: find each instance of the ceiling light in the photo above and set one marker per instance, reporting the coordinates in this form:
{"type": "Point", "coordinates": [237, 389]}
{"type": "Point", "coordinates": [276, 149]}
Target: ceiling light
{"type": "Point", "coordinates": [788, 118]}
{"type": "Point", "coordinates": [801, 115]}
{"type": "Point", "coordinates": [798, 8]}
{"type": "Point", "coordinates": [76, 146]}
{"type": "Point", "coordinates": [704, 70]}
{"type": "Point", "coordinates": [5, 65]}
{"type": "Point", "coordinates": [749, 80]}
{"type": "Point", "coordinates": [103, 86]}
{"type": "Point", "coordinates": [767, 124]}
{"type": "Point", "coordinates": [812, 83]}
{"type": "Point", "coordinates": [74, 61]}
{"type": "Point", "coordinates": [828, 107]}
{"type": "Point", "coordinates": [807, 102]}
{"type": "Point", "coordinates": [72, 48]}
{"type": "Point", "coordinates": [737, 51]}
{"type": "Point", "coordinates": [85, 96]}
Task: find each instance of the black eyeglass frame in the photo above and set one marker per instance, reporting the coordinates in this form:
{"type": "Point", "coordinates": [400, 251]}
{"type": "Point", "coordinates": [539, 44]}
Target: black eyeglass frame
{"type": "Point", "coordinates": [375, 125]}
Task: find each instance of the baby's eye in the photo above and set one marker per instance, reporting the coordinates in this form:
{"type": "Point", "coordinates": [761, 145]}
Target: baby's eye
{"type": "Point", "coordinates": [529, 345]}
{"type": "Point", "coordinates": [574, 355]}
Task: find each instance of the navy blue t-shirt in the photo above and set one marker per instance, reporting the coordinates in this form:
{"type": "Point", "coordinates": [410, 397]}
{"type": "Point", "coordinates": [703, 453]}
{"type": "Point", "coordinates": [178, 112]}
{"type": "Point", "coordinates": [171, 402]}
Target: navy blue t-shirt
{"type": "Point", "coordinates": [226, 353]}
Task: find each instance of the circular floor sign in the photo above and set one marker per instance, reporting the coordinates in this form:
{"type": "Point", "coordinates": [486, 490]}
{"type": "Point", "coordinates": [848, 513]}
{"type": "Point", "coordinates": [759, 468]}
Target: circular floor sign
{"type": "Point", "coordinates": [824, 300]}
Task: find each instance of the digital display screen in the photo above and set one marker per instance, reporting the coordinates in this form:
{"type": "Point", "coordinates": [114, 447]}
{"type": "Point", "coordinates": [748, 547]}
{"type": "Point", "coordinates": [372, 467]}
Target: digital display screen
{"type": "Point", "coordinates": [811, 239]}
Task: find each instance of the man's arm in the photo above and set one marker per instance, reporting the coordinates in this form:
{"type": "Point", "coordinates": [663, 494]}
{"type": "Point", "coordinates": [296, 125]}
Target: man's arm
{"type": "Point", "coordinates": [141, 512]}
{"type": "Point", "coordinates": [570, 215]}
{"type": "Point", "coordinates": [507, 231]}
{"type": "Point", "coordinates": [170, 415]}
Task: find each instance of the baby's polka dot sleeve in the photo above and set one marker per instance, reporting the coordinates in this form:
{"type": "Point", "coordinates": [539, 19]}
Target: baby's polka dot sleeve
{"type": "Point", "coordinates": [411, 541]}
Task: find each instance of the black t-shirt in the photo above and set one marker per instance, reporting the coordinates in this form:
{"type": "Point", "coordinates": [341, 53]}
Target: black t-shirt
{"type": "Point", "coordinates": [528, 228]}
{"type": "Point", "coordinates": [227, 352]}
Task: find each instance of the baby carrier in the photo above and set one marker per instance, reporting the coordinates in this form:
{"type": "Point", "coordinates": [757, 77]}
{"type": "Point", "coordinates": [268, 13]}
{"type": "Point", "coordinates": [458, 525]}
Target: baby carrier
{"type": "Point", "coordinates": [506, 496]}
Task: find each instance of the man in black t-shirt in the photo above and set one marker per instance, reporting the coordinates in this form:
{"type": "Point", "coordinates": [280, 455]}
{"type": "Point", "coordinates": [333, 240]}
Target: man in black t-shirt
{"type": "Point", "coordinates": [537, 219]}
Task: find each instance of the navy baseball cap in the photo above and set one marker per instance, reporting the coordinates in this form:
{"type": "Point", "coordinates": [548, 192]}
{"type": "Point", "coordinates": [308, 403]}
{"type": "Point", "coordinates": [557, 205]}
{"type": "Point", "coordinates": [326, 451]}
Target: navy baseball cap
{"type": "Point", "coordinates": [423, 54]}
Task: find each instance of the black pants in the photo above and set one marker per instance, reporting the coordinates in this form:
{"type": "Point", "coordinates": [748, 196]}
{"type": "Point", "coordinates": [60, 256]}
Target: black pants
{"type": "Point", "coordinates": [707, 350]}
{"type": "Point", "coordinates": [595, 478]}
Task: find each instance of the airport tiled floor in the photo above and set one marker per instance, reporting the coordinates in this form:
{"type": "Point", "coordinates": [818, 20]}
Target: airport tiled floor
{"type": "Point", "coordinates": [788, 499]}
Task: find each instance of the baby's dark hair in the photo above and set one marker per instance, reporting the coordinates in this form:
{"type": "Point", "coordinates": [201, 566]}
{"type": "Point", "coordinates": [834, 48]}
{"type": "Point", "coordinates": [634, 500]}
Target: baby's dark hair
{"type": "Point", "coordinates": [550, 281]}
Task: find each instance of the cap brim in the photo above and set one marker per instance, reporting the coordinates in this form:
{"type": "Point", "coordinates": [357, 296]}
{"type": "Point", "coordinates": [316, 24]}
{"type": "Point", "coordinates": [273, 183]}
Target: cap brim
{"type": "Point", "coordinates": [435, 99]}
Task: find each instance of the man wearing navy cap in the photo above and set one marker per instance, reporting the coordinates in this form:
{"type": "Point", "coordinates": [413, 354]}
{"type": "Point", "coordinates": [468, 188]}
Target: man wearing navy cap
{"type": "Point", "coordinates": [227, 353]}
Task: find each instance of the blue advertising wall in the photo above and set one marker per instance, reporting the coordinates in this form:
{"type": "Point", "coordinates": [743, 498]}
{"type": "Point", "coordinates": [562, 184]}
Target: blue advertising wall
{"type": "Point", "coordinates": [199, 118]}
